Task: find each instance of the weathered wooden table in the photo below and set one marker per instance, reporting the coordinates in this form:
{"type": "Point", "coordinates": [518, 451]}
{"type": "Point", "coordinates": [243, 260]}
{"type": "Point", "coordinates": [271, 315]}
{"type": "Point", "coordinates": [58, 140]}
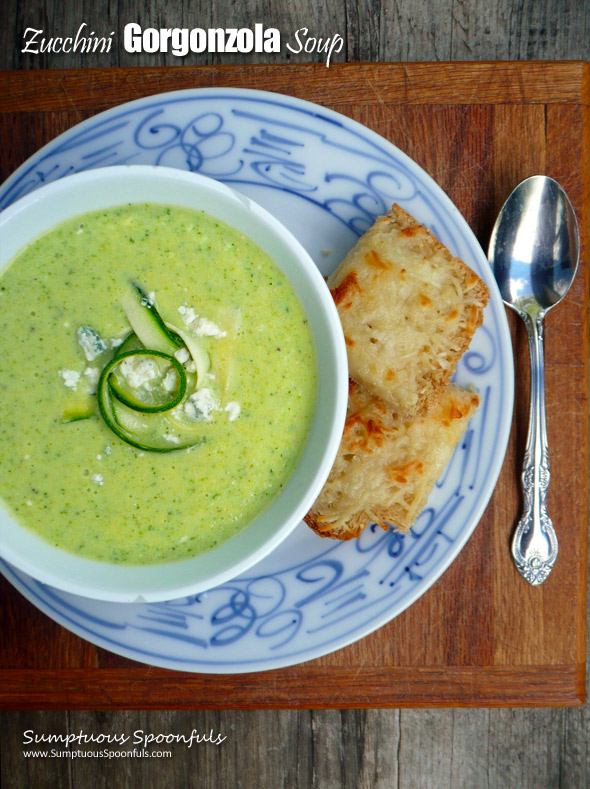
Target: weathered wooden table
{"type": "Point", "coordinates": [379, 748]}
{"type": "Point", "coordinates": [481, 635]}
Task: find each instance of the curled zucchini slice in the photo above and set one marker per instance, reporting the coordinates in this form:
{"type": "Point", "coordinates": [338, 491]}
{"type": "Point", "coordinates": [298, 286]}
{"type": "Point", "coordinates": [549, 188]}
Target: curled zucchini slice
{"type": "Point", "coordinates": [147, 323]}
{"type": "Point", "coordinates": [141, 389]}
{"type": "Point", "coordinates": [163, 401]}
{"type": "Point", "coordinates": [135, 425]}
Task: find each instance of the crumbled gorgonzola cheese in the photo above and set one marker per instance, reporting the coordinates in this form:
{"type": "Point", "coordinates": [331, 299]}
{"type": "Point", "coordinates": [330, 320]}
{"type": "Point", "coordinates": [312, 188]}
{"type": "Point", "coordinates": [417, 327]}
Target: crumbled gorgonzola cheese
{"type": "Point", "coordinates": [138, 371]}
{"type": "Point", "coordinates": [198, 325]}
{"type": "Point", "coordinates": [206, 328]}
{"type": "Point", "coordinates": [200, 405]}
{"type": "Point", "coordinates": [233, 409]}
{"type": "Point", "coordinates": [70, 378]}
{"type": "Point", "coordinates": [170, 381]}
{"type": "Point", "coordinates": [92, 374]}
{"type": "Point", "coordinates": [182, 355]}
{"type": "Point", "coordinates": [90, 342]}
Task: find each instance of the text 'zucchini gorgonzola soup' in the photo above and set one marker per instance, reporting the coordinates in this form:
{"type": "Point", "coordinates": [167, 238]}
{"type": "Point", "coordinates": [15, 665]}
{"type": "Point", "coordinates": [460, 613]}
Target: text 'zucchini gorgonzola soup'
{"type": "Point", "coordinates": [157, 381]}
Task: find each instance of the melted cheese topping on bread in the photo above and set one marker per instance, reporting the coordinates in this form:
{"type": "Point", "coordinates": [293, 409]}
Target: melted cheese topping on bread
{"type": "Point", "coordinates": [408, 309]}
{"type": "Point", "coordinates": [387, 465]}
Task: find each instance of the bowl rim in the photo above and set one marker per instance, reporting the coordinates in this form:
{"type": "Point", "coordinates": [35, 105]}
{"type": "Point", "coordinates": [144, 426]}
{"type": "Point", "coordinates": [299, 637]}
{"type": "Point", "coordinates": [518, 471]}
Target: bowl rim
{"type": "Point", "coordinates": [167, 591]}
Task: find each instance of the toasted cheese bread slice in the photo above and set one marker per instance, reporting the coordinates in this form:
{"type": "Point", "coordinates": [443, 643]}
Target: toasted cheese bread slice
{"type": "Point", "coordinates": [386, 466]}
{"type": "Point", "coordinates": [408, 309]}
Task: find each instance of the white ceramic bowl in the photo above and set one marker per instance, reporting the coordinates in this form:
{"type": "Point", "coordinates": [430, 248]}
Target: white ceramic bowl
{"type": "Point", "coordinates": [42, 210]}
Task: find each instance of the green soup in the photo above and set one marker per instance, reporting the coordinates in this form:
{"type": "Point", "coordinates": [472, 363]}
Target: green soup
{"type": "Point", "coordinates": [76, 483]}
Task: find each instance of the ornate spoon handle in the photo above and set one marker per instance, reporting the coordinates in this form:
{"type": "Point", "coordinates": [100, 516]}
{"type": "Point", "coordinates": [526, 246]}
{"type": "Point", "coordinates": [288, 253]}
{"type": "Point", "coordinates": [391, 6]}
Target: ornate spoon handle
{"type": "Point", "coordinates": [534, 545]}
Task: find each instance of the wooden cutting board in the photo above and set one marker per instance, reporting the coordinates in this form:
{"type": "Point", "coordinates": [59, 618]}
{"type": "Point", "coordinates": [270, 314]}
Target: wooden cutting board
{"type": "Point", "coordinates": [480, 636]}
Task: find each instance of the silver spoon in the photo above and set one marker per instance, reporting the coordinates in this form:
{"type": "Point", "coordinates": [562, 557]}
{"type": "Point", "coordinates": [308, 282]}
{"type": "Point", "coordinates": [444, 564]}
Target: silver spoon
{"type": "Point", "coordinates": [534, 252]}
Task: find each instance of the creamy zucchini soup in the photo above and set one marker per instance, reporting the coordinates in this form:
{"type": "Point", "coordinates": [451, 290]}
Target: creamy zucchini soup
{"type": "Point", "coordinates": [157, 381]}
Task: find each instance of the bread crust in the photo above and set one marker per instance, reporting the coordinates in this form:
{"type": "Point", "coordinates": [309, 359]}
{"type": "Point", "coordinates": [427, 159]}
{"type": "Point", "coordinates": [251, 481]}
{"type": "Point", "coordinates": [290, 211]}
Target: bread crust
{"type": "Point", "coordinates": [408, 310]}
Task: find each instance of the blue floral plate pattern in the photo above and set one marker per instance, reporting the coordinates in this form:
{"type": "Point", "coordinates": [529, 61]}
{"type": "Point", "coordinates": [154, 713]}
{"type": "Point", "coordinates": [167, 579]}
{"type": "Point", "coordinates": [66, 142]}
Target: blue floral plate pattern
{"type": "Point", "coordinates": [326, 178]}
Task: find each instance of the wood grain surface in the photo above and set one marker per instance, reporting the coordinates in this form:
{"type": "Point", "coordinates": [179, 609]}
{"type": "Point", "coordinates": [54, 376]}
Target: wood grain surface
{"type": "Point", "coordinates": [481, 635]}
{"type": "Point", "coordinates": [327, 749]}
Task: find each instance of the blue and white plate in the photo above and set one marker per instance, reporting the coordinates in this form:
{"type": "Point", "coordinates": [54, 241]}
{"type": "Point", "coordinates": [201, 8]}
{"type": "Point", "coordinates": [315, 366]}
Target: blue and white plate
{"type": "Point", "coordinates": [326, 178]}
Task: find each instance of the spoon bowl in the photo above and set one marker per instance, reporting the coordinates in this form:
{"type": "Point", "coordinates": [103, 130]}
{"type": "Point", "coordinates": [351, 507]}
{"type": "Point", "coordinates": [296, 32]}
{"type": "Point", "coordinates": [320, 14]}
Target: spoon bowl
{"type": "Point", "coordinates": [535, 245]}
{"type": "Point", "coordinates": [534, 253]}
